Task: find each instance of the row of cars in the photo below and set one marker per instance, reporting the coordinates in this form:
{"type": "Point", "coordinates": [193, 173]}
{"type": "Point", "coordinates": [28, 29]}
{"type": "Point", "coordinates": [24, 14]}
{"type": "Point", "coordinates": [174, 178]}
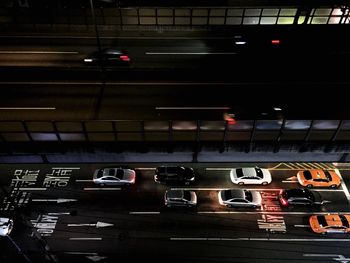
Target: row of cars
{"type": "Point", "coordinates": [242, 198]}
{"type": "Point", "coordinates": [241, 176]}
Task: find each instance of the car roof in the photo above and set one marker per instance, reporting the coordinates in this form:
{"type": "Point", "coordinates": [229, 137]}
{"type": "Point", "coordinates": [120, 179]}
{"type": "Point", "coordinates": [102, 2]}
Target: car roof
{"type": "Point", "coordinates": [175, 193]}
{"type": "Point", "coordinates": [298, 192]}
{"type": "Point", "coordinates": [235, 193]}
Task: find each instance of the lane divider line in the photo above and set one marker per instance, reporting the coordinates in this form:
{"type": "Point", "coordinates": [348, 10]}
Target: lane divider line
{"type": "Point", "coordinates": [103, 189]}
{"type": "Point", "coordinates": [86, 238]}
{"type": "Point", "coordinates": [144, 213]}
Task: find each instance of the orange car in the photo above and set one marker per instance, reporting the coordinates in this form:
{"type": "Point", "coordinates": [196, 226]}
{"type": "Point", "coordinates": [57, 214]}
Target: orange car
{"type": "Point", "coordinates": [318, 178]}
{"type": "Point", "coordinates": [331, 223]}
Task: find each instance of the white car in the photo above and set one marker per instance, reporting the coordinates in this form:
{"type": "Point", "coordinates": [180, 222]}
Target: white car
{"type": "Point", "coordinates": [114, 176]}
{"type": "Point", "coordinates": [250, 175]}
{"type": "Point", "coordinates": [6, 226]}
{"type": "Point", "coordinates": [240, 198]}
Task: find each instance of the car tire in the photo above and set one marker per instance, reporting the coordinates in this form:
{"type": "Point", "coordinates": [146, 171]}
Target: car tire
{"type": "Point", "coordinates": [240, 183]}
{"type": "Point", "coordinates": [264, 183]}
{"type": "Point", "coordinates": [309, 186]}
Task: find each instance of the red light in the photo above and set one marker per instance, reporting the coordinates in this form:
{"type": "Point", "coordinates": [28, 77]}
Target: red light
{"type": "Point", "coordinates": [284, 202]}
{"type": "Point", "coordinates": [231, 121]}
{"type": "Point", "coordinates": [275, 42]}
{"type": "Point", "coordinates": [125, 58]}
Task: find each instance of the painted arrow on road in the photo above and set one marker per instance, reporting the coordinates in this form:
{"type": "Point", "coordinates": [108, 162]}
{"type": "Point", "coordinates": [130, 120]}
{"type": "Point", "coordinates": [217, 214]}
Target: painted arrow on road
{"type": "Point", "coordinates": [97, 225]}
{"type": "Point", "coordinates": [58, 201]}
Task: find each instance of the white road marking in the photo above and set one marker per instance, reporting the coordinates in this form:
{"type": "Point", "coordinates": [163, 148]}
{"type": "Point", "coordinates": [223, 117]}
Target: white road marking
{"type": "Point", "coordinates": [144, 213]}
{"type": "Point", "coordinates": [302, 226]}
{"type": "Point", "coordinates": [218, 169]}
{"type": "Point", "coordinates": [192, 108]}
{"type": "Point", "coordinates": [58, 200]}
{"type": "Point", "coordinates": [27, 108]}
{"type": "Point", "coordinates": [68, 168]}
{"type": "Point", "coordinates": [38, 52]}
{"type": "Point", "coordinates": [97, 225]}
{"type": "Point", "coordinates": [82, 253]}
{"type": "Point", "coordinates": [216, 189]}
{"type": "Point", "coordinates": [145, 168]}
{"type": "Point", "coordinates": [269, 213]}
{"type": "Point", "coordinates": [343, 185]}
{"type": "Point", "coordinates": [32, 189]}
{"type": "Point", "coordinates": [86, 238]}
{"type": "Point", "coordinates": [335, 257]}
{"type": "Point", "coordinates": [260, 239]}
{"type": "Point", "coordinates": [84, 181]}
{"type": "Point", "coordinates": [58, 214]}
{"type": "Point", "coordinates": [190, 53]}
{"type": "Point", "coordinates": [101, 188]}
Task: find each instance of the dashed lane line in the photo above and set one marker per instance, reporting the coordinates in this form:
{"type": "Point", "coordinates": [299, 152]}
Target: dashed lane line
{"type": "Point", "coordinates": [101, 189]}
{"type": "Point", "coordinates": [86, 238]}
{"type": "Point", "coordinates": [268, 212]}
{"type": "Point", "coordinates": [260, 239]}
{"type": "Point", "coordinates": [144, 213]}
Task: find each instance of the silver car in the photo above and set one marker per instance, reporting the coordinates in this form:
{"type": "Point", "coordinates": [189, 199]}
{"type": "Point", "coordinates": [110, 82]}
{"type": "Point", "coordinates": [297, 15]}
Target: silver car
{"type": "Point", "coordinates": [6, 226]}
{"type": "Point", "coordinates": [180, 198]}
{"type": "Point", "coordinates": [114, 176]}
{"type": "Point", "coordinates": [240, 198]}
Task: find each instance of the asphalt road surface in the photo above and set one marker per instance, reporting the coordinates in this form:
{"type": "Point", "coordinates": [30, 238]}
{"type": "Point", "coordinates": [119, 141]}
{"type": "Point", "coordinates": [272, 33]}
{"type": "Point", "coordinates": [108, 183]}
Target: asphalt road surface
{"type": "Point", "coordinates": [62, 214]}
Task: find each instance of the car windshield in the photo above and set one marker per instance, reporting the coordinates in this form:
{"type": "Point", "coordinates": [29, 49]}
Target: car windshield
{"type": "Point", "coordinates": [307, 175]}
{"type": "Point", "coordinates": [344, 221]}
{"type": "Point", "coordinates": [187, 195]}
{"type": "Point", "coordinates": [120, 173]}
{"type": "Point", "coordinates": [328, 175]}
{"type": "Point", "coordinates": [239, 172]}
{"type": "Point", "coordinates": [228, 195]}
{"type": "Point", "coordinates": [309, 195]}
{"type": "Point", "coordinates": [259, 172]}
{"type": "Point", "coordinates": [248, 196]}
{"type": "Point", "coordinates": [322, 221]}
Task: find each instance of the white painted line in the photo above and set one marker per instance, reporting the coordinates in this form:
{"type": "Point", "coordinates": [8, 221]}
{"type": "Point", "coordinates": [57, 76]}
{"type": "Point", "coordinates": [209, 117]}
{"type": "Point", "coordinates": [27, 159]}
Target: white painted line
{"type": "Point", "coordinates": [38, 52]}
{"type": "Point", "coordinates": [144, 213]}
{"type": "Point", "coordinates": [188, 238]}
{"type": "Point", "coordinates": [328, 190]}
{"type": "Point", "coordinates": [68, 168]}
{"type": "Point", "coordinates": [145, 168]}
{"type": "Point", "coordinates": [260, 239]}
{"type": "Point", "coordinates": [58, 214]}
{"type": "Point", "coordinates": [27, 108]}
{"type": "Point", "coordinates": [216, 189]}
{"type": "Point", "coordinates": [302, 226]}
{"type": "Point", "coordinates": [103, 189]}
{"type": "Point", "coordinates": [192, 108]}
{"type": "Point", "coordinates": [82, 253]}
{"type": "Point", "coordinates": [190, 53]}
{"type": "Point", "coordinates": [302, 239]}
{"type": "Point", "coordinates": [267, 212]}
{"type": "Point", "coordinates": [86, 238]}
{"type": "Point", "coordinates": [343, 185]}
{"type": "Point", "coordinates": [32, 189]}
{"type": "Point", "coordinates": [218, 169]}
{"type": "Point", "coordinates": [84, 181]}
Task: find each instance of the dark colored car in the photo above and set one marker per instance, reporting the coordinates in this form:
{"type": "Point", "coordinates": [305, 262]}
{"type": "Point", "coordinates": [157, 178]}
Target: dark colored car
{"type": "Point", "coordinates": [109, 56]}
{"type": "Point", "coordinates": [174, 175]}
{"type": "Point", "coordinates": [300, 196]}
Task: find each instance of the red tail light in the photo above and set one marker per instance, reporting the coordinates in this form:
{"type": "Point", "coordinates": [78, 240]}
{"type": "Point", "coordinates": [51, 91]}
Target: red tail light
{"type": "Point", "coordinates": [284, 202]}
{"type": "Point", "coordinates": [124, 58]}
{"type": "Point", "coordinates": [275, 42]}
